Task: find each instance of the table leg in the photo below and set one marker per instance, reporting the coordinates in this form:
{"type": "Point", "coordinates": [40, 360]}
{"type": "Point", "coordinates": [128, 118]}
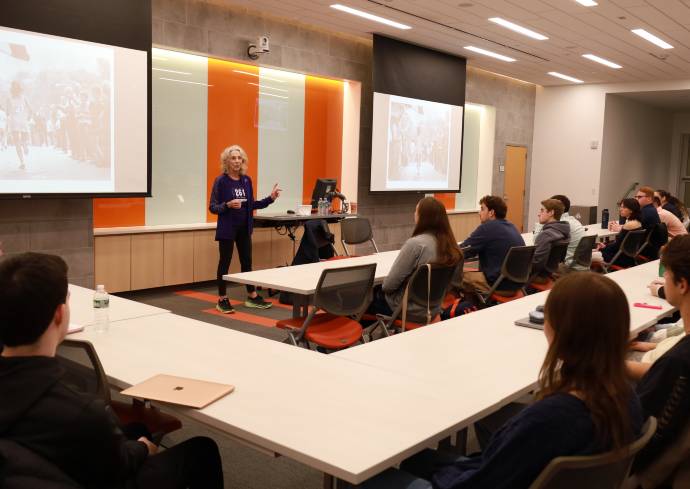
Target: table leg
{"type": "Point", "coordinates": [300, 305]}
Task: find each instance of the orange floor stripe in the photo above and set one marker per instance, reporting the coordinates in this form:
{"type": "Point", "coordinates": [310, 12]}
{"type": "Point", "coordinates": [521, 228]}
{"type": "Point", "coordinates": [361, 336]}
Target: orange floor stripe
{"type": "Point", "coordinates": [244, 317]}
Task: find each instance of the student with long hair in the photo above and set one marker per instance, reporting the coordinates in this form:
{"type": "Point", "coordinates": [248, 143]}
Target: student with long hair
{"type": "Point", "coordinates": [432, 241]}
{"type": "Point", "coordinates": [585, 404]}
{"type": "Point", "coordinates": [232, 199]}
{"type": "Point", "coordinates": [630, 210]}
{"type": "Point", "coordinates": [671, 203]}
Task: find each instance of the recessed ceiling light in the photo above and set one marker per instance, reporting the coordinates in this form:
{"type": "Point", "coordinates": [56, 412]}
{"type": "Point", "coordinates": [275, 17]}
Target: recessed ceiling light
{"type": "Point", "coordinates": [564, 77]}
{"type": "Point", "coordinates": [368, 16]}
{"type": "Point", "coordinates": [587, 3]}
{"type": "Point", "coordinates": [489, 53]}
{"type": "Point", "coordinates": [652, 38]}
{"type": "Point", "coordinates": [518, 28]}
{"type": "Point", "coordinates": [603, 61]}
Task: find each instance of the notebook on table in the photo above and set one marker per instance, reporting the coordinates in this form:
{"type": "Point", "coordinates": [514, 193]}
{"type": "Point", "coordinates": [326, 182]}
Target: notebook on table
{"type": "Point", "coordinates": [525, 322]}
{"type": "Point", "coordinates": [179, 390]}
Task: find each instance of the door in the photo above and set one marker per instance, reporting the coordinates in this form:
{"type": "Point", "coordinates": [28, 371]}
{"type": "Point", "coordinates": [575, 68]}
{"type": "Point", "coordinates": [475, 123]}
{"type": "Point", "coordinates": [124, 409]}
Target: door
{"type": "Point", "coordinates": [514, 183]}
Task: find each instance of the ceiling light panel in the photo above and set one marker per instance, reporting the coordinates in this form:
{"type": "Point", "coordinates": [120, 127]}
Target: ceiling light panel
{"type": "Point", "coordinates": [486, 52]}
{"type": "Point", "coordinates": [587, 3]}
{"type": "Point", "coordinates": [605, 62]}
{"type": "Point", "coordinates": [565, 77]}
{"type": "Point", "coordinates": [518, 28]}
{"type": "Point", "coordinates": [368, 16]}
{"type": "Point", "coordinates": [648, 36]}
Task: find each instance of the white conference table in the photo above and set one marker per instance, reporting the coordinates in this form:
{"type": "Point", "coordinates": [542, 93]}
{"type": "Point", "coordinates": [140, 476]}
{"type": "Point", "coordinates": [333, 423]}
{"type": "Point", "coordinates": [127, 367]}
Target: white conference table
{"type": "Point", "coordinates": [357, 412]}
{"type": "Point", "coordinates": [82, 312]}
{"type": "Point", "coordinates": [344, 418]}
{"type": "Point", "coordinates": [590, 229]}
{"type": "Point", "coordinates": [483, 360]}
{"type": "Point", "coordinates": [301, 280]}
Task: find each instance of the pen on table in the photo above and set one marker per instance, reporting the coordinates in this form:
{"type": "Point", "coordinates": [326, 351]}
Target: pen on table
{"type": "Point", "coordinates": [646, 306]}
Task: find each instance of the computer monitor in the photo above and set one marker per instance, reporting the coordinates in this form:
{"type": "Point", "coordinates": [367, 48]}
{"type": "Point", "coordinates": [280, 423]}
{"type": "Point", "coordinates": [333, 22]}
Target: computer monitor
{"type": "Point", "coordinates": [321, 188]}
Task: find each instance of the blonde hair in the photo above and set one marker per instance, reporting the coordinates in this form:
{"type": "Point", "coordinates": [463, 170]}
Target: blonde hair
{"type": "Point", "coordinates": [225, 158]}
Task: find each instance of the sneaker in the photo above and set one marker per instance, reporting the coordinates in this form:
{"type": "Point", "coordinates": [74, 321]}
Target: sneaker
{"type": "Point", "coordinates": [224, 306]}
{"type": "Point", "coordinates": [257, 302]}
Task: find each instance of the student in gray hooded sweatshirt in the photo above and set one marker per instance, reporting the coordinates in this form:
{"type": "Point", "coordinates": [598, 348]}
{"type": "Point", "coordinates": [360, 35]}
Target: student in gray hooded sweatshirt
{"type": "Point", "coordinates": [553, 231]}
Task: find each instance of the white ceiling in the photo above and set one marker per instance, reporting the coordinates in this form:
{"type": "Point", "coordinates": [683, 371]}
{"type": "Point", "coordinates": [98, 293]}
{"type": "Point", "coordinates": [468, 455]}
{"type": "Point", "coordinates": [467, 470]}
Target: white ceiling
{"type": "Point", "coordinates": [572, 29]}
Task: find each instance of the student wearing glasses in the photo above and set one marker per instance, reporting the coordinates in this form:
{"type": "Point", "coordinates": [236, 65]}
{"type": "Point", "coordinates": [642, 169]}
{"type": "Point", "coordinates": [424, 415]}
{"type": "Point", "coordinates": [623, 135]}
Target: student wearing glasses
{"type": "Point", "coordinates": [649, 217]}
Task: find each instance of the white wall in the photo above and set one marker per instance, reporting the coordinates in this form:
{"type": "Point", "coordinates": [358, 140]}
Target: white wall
{"type": "Point", "coordinates": [636, 147]}
{"type": "Point", "coordinates": [566, 120]}
{"type": "Point", "coordinates": [681, 126]}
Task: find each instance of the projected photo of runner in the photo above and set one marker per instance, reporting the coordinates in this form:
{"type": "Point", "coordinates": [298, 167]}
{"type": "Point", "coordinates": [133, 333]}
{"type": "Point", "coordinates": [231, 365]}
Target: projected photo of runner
{"type": "Point", "coordinates": [55, 109]}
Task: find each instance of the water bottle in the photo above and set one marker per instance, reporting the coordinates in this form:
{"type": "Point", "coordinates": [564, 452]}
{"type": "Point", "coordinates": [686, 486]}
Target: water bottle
{"type": "Point", "coordinates": [320, 207]}
{"type": "Point", "coordinates": [605, 219]}
{"type": "Point", "coordinates": [101, 301]}
{"type": "Point", "coordinates": [326, 207]}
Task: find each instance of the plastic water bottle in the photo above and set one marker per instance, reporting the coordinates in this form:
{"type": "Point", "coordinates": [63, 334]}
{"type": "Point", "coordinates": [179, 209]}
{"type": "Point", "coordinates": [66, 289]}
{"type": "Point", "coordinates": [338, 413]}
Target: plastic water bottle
{"type": "Point", "coordinates": [319, 208]}
{"type": "Point", "coordinates": [101, 302]}
{"type": "Point", "coordinates": [605, 219]}
{"type": "Point", "coordinates": [326, 207]}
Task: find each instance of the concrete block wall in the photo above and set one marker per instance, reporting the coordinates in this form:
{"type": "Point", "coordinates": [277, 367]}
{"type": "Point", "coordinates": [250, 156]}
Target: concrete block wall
{"type": "Point", "coordinates": [58, 226]}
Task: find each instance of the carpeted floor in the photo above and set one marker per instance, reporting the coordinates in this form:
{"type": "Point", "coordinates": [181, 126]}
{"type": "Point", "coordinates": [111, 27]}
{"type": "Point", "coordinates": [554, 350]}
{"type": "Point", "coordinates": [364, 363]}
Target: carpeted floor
{"type": "Point", "coordinates": [199, 302]}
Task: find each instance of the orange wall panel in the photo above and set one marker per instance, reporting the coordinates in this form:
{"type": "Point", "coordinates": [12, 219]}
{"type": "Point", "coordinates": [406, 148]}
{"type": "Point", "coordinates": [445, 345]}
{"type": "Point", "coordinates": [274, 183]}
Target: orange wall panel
{"type": "Point", "coordinates": [323, 132]}
{"type": "Point", "coordinates": [115, 212]}
{"type": "Point", "coordinates": [448, 200]}
{"type": "Point", "coordinates": [233, 95]}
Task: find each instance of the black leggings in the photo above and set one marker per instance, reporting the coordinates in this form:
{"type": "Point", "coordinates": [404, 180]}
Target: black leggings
{"type": "Point", "coordinates": [193, 464]}
{"type": "Point", "coordinates": [243, 240]}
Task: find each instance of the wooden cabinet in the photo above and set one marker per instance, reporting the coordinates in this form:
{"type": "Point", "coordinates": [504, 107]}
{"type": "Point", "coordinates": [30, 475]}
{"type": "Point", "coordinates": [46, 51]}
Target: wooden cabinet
{"type": "Point", "coordinates": [178, 258]}
{"type": "Point", "coordinates": [113, 262]}
{"type": "Point", "coordinates": [147, 261]}
{"type": "Point", "coordinates": [155, 259]}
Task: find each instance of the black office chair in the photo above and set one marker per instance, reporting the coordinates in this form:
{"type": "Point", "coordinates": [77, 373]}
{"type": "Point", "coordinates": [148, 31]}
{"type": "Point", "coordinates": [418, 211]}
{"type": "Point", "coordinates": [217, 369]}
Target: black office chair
{"type": "Point", "coordinates": [354, 231]}
{"type": "Point", "coordinates": [583, 252]}
{"type": "Point", "coordinates": [427, 288]}
{"type": "Point", "coordinates": [84, 372]}
{"type": "Point", "coordinates": [517, 267]}
{"type": "Point", "coordinates": [604, 471]}
{"type": "Point", "coordinates": [629, 247]}
{"type": "Point", "coordinates": [556, 256]}
{"type": "Point", "coordinates": [656, 237]}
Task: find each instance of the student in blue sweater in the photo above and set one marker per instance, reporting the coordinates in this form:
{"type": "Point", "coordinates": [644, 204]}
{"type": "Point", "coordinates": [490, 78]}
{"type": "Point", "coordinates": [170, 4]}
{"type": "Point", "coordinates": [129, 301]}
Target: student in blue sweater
{"type": "Point", "coordinates": [490, 241]}
{"type": "Point", "coordinates": [232, 199]}
{"type": "Point", "coordinates": [579, 411]}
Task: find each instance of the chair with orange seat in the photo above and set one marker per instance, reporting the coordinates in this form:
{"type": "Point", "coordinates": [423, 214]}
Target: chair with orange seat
{"type": "Point", "coordinates": [516, 267]}
{"type": "Point", "coordinates": [427, 287]}
{"type": "Point", "coordinates": [556, 257]}
{"type": "Point", "coordinates": [342, 295]}
{"type": "Point", "coordinates": [629, 247]}
{"type": "Point", "coordinates": [84, 372]}
{"type": "Point", "coordinates": [655, 239]}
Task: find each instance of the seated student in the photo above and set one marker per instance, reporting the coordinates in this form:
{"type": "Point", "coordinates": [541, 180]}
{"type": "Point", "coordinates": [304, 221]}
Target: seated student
{"type": "Point", "coordinates": [579, 411]}
{"type": "Point", "coordinates": [432, 241]}
{"type": "Point", "coordinates": [671, 203]}
{"type": "Point", "coordinates": [73, 430]}
{"type": "Point", "coordinates": [657, 380]}
{"type": "Point", "coordinates": [577, 231]}
{"type": "Point", "coordinates": [630, 210]}
{"type": "Point", "coordinates": [553, 230]}
{"type": "Point", "coordinates": [649, 218]}
{"type": "Point", "coordinates": [491, 241]}
{"type": "Point", "coordinates": [673, 225]}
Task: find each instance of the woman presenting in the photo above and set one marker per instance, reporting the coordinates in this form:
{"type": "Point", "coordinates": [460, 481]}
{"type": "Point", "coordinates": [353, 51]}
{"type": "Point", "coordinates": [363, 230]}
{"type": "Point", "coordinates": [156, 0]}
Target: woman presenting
{"type": "Point", "coordinates": [232, 199]}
